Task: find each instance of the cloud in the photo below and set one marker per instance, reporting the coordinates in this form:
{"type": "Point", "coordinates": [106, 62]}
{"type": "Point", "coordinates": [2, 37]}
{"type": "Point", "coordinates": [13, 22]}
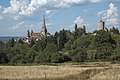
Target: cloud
{"type": "Point", "coordinates": [95, 1]}
{"type": "Point", "coordinates": [21, 8]}
{"type": "Point", "coordinates": [22, 26]}
{"type": "Point", "coordinates": [13, 11]}
{"type": "Point", "coordinates": [14, 7]}
{"type": "Point", "coordinates": [48, 5]}
{"type": "Point", "coordinates": [1, 17]}
{"type": "Point", "coordinates": [33, 6]}
{"type": "Point", "coordinates": [33, 26]}
{"type": "Point", "coordinates": [110, 16]}
{"type": "Point", "coordinates": [17, 26]}
{"type": "Point", "coordinates": [48, 11]}
{"type": "Point", "coordinates": [68, 3]}
{"type": "Point", "coordinates": [1, 8]}
{"type": "Point", "coordinates": [79, 21]}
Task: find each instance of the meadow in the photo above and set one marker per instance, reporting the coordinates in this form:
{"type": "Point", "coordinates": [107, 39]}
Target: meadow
{"type": "Point", "coordinates": [89, 71]}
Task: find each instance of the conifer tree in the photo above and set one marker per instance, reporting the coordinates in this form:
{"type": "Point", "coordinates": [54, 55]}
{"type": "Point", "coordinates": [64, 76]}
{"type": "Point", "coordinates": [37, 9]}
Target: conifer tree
{"type": "Point", "coordinates": [76, 31]}
{"type": "Point", "coordinates": [28, 34]}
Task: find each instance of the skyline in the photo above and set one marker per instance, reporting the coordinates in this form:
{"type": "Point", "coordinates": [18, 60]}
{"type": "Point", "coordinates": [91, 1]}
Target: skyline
{"type": "Point", "coordinates": [18, 16]}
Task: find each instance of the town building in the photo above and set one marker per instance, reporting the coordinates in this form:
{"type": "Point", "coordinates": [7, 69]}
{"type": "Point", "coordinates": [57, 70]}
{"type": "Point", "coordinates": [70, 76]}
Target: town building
{"type": "Point", "coordinates": [37, 35]}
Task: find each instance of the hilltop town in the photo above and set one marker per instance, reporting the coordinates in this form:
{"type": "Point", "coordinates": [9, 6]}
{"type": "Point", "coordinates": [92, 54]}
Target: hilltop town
{"type": "Point", "coordinates": [63, 46]}
{"type": "Point", "coordinates": [35, 36]}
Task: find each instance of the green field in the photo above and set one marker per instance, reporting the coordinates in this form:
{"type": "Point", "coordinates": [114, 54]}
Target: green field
{"type": "Point", "coordinates": [92, 71]}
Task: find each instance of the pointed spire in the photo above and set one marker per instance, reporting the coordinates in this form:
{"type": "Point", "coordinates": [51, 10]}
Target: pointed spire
{"type": "Point", "coordinates": [44, 29]}
{"type": "Point", "coordinates": [44, 24]}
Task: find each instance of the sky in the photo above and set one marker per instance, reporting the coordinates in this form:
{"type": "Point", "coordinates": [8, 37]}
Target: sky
{"type": "Point", "coordinates": [18, 16]}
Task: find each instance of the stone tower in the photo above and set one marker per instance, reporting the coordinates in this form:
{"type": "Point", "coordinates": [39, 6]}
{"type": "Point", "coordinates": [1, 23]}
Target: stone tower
{"type": "Point", "coordinates": [44, 29]}
{"type": "Point", "coordinates": [101, 25]}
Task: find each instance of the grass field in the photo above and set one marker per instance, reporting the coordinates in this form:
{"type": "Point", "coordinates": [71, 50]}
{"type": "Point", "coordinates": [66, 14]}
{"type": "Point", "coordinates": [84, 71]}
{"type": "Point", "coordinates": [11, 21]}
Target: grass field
{"type": "Point", "coordinates": [96, 71]}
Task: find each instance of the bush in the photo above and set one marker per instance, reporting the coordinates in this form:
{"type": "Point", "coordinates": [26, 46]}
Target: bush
{"type": "Point", "coordinates": [43, 57]}
{"type": "Point", "coordinates": [57, 58]}
{"type": "Point", "coordinates": [78, 55]}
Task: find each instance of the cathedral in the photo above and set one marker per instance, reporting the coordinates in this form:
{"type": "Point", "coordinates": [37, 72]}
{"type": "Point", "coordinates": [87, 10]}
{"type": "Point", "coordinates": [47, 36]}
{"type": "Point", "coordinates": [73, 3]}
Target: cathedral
{"type": "Point", "coordinates": [38, 35]}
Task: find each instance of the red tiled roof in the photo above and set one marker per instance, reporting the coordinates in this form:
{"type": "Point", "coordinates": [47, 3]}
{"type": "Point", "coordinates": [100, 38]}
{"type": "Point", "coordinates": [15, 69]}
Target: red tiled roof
{"type": "Point", "coordinates": [36, 34]}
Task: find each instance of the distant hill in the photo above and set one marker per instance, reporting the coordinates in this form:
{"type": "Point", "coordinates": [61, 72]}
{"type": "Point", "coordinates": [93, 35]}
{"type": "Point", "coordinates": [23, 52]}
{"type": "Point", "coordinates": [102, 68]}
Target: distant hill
{"type": "Point", "coordinates": [4, 38]}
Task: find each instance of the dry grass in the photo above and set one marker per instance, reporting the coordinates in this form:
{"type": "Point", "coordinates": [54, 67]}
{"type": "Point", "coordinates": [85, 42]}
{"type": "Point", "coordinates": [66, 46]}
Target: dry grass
{"type": "Point", "coordinates": [113, 73]}
{"type": "Point", "coordinates": [61, 72]}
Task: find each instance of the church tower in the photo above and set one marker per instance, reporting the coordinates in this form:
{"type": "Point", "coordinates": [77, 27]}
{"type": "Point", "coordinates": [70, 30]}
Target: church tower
{"type": "Point", "coordinates": [44, 29]}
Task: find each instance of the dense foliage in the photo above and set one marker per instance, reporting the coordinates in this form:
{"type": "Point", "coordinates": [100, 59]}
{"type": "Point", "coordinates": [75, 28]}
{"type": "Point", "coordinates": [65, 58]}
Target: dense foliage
{"type": "Point", "coordinates": [77, 46]}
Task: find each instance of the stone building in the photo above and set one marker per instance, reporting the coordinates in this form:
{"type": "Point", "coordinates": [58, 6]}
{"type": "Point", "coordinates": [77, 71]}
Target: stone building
{"type": "Point", "coordinates": [38, 35]}
{"type": "Point", "coordinates": [101, 25]}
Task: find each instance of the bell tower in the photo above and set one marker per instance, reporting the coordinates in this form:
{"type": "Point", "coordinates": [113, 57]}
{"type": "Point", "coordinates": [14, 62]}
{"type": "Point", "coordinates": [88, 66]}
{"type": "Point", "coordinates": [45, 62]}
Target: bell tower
{"type": "Point", "coordinates": [44, 29]}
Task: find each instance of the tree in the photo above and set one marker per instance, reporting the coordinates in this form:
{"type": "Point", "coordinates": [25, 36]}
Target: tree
{"type": "Point", "coordinates": [56, 38]}
{"type": "Point", "coordinates": [70, 39]}
{"type": "Point", "coordinates": [84, 28]}
{"type": "Point", "coordinates": [32, 42]}
{"type": "Point", "coordinates": [116, 55]}
{"type": "Point", "coordinates": [4, 58]}
{"type": "Point", "coordinates": [51, 47]}
{"type": "Point", "coordinates": [78, 55]}
{"type": "Point", "coordinates": [68, 45]}
{"type": "Point", "coordinates": [20, 53]}
{"type": "Point", "coordinates": [2, 45]}
{"type": "Point", "coordinates": [114, 30]}
{"type": "Point", "coordinates": [30, 56]}
{"type": "Point", "coordinates": [57, 57]}
{"type": "Point", "coordinates": [79, 31]}
{"type": "Point", "coordinates": [103, 37]}
{"type": "Point", "coordinates": [62, 39]}
{"type": "Point", "coordinates": [28, 34]}
{"type": "Point", "coordinates": [69, 35]}
{"type": "Point", "coordinates": [12, 42]}
{"type": "Point", "coordinates": [18, 59]}
{"type": "Point", "coordinates": [76, 31]}
{"type": "Point", "coordinates": [82, 42]}
{"type": "Point", "coordinates": [104, 51]}
{"type": "Point", "coordinates": [103, 44]}
{"type": "Point", "coordinates": [91, 55]}
{"type": "Point", "coordinates": [40, 45]}
{"type": "Point", "coordinates": [50, 39]}
{"type": "Point", "coordinates": [43, 57]}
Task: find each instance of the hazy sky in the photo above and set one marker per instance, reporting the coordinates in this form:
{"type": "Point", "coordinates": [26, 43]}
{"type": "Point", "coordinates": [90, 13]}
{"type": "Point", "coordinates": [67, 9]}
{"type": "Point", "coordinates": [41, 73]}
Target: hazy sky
{"type": "Point", "coordinates": [17, 16]}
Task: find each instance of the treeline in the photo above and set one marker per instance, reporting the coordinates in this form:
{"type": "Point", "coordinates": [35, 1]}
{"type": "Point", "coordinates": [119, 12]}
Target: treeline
{"type": "Point", "coordinates": [63, 46]}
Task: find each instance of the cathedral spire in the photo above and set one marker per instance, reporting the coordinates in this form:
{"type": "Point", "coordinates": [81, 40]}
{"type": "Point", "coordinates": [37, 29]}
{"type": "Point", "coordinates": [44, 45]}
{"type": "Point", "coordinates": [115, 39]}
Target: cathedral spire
{"type": "Point", "coordinates": [44, 29]}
